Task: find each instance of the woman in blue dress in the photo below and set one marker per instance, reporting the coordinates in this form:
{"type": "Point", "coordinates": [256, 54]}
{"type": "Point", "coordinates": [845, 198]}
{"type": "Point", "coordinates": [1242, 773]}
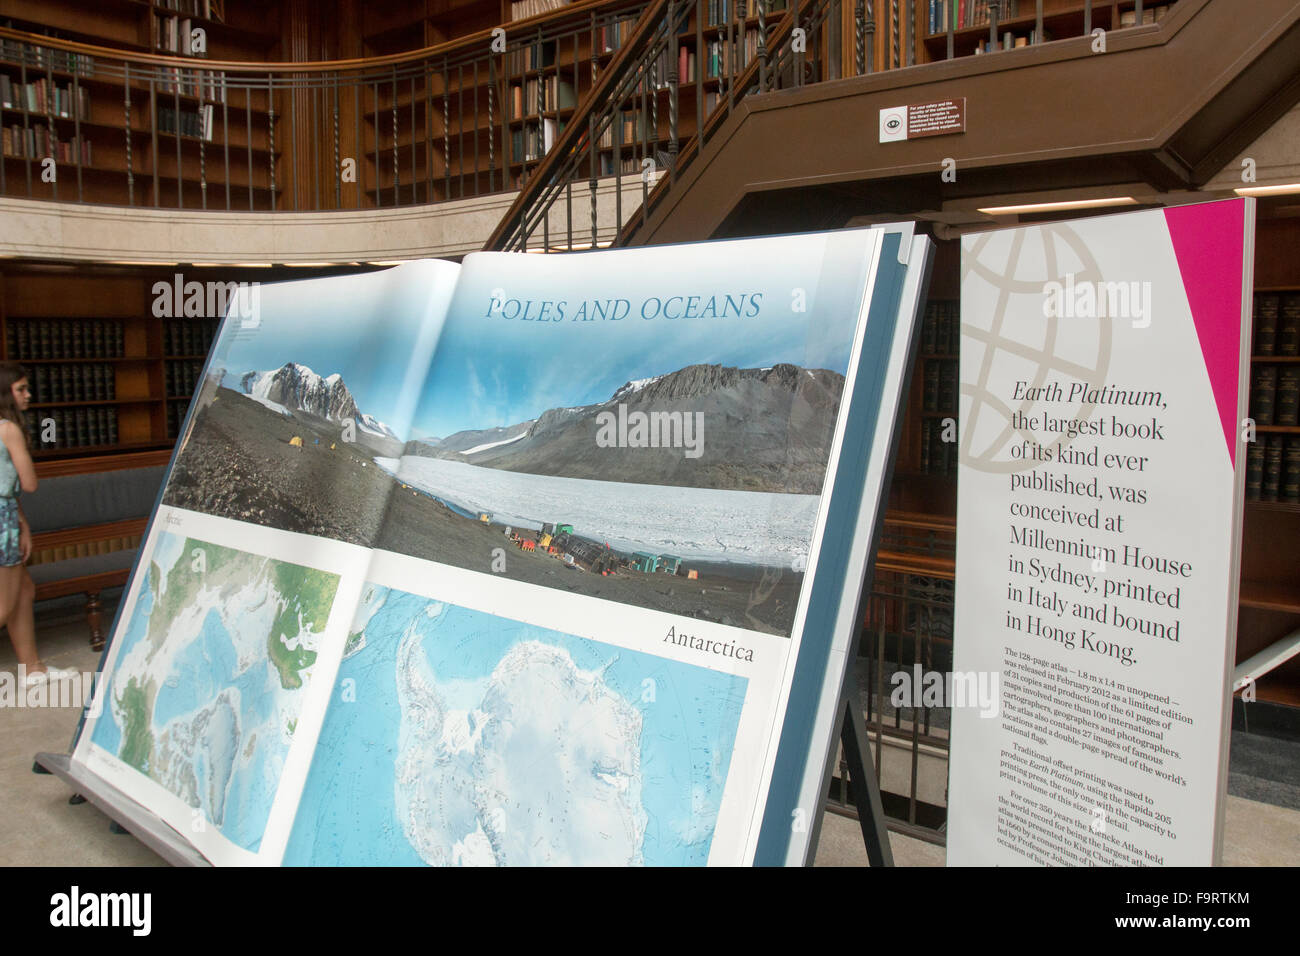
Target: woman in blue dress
{"type": "Point", "coordinates": [17, 591]}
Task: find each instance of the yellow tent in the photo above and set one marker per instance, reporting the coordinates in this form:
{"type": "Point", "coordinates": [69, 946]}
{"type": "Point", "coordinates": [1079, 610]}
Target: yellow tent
{"type": "Point", "coordinates": [296, 441]}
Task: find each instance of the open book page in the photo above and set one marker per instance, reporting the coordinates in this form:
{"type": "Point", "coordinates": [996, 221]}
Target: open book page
{"type": "Point", "coordinates": [230, 631]}
{"type": "Point", "coordinates": [576, 637]}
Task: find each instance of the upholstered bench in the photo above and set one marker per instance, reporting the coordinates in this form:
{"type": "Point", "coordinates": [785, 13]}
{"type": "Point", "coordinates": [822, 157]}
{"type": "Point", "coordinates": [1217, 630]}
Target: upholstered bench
{"type": "Point", "coordinates": [86, 529]}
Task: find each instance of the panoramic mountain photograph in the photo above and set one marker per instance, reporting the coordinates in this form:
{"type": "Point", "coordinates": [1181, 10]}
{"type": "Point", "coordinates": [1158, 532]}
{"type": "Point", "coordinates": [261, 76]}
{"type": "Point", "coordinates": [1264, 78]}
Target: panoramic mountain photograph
{"type": "Point", "coordinates": [693, 492]}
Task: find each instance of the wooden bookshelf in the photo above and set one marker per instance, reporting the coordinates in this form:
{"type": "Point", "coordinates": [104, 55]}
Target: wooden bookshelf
{"type": "Point", "coordinates": [106, 373]}
{"type": "Point", "coordinates": [1269, 595]}
{"type": "Point", "coordinates": [500, 122]}
{"type": "Point", "coordinates": [91, 352]}
{"type": "Point", "coordinates": [1061, 19]}
{"type": "Point", "coordinates": [175, 124]}
{"type": "Point", "coordinates": [397, 26]}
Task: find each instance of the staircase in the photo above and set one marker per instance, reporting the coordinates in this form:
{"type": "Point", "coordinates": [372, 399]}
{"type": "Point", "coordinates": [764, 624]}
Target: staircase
{"type": "Point", "coordinates": [793, 142]}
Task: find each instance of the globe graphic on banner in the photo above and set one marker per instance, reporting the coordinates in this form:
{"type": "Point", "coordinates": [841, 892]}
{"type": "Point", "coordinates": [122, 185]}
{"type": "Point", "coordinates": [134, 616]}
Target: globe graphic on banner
{"type": "Point", "coordinates": [1007, 339]}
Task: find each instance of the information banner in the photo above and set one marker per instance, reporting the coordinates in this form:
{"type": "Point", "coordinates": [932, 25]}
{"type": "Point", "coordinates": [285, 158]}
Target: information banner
{"type": "Point", "coordinates": [1103, 384]}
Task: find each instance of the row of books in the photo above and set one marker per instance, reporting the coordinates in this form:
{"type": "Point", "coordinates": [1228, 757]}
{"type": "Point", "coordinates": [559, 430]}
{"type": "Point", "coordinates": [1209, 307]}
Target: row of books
{"type": "Point", "coordinates": [1275, 394]}
{"type": "Point", "coordinates": [1013, 41]}
{"type": "Point", "coordinates": [176, 416]}
{"type": "Point", "coordinates": [73, 427]}
{"type": "Point", "coordinates": [634, 128]}
{"type": "Point", "coordinates": [42, 58]}
{"type": "Point", "coordinates": [63, 339]}
{"type": "Point", "coordinates": [611, 36]}
{"type": "Point", "coordinates": [967, 13]}
{"type": "Point", "coordinates": [686, 65]}
{"type": "Point", "coordinates": [35, 142]}
{"type": "Point", "coordinates": [82, 382]}
{"type": "Point", "coordinates": [188, 336]}
{"type": "Point", "coordinates": [940, 328]}
{"type": "Point", "coordinates": [959, 14]}
{"type": "Point", "coordinates": [1277, 324]}
{"type": "Point", "coordinates": [207, 9]}
{"type": "Point", "coordinates": [1128, 18]}
{"type": "Point", "coordinates": [181, 377]}
{"type": "Point", "coordinates": [721, 11]}
{"type": "Point", "coordinates": [541, 95]}
{"type": "Point", "coordinates": [42, 97]}
{"type": "Point", "coordinates": [1273, 469]}
{"type": "Point", "coordinates": [534, 140]}
{"type": "Point", "coordinates": [523, 9]}
{"type": "Point", "coordinates": [176, 35]}
{"type": "Point", "coordinates": [196, 123]}
{"type": "Point", "coordinates": [938, 457]}
{"type": "Point", "coordinates": [939, 386]}
{"type": "Point", "coordinates": [534, 56]}
{"type": "Point", "coordinates": [208, 85]}
{"type": "Point", "coordinates": [719, 54]}
{"type": "Point", "coordinates": [629, 165]}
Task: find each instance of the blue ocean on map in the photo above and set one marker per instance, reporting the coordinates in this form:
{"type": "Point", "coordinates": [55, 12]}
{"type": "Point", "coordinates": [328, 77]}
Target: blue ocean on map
{"type": "Point", "coordinates": [413, 764]}
{"type": "Point", "coordinates": [237, 759]}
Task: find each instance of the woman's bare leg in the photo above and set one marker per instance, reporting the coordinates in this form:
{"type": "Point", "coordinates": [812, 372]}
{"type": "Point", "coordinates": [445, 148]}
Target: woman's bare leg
{"type": "Point", "coordinates": [16, 596]}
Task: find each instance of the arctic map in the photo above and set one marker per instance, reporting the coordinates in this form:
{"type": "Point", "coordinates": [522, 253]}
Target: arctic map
{"type": "Point", "coordinates": [456, 737]}
{"type": "Point", "coordinates": [209, 679]}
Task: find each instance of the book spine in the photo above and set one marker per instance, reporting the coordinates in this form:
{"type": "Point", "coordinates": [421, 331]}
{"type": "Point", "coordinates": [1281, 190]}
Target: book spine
{"type": "Point", "coordinates": [947, 386]}
{"type": "Point", "coordinates": [1290, 471]}
{"type": "Point", "coordinates": [1262, 394]}
{"type": "Point", "coordinates": [1272, 469]}
{"type": "Point", "coordinates": [1254, 471]}
{"type": "Point", "coordinates": [930, 394]}
{"type": "Point", "coordinates": [1288, 327]}
{"type": "Point", "coordinates": [1287, 403]}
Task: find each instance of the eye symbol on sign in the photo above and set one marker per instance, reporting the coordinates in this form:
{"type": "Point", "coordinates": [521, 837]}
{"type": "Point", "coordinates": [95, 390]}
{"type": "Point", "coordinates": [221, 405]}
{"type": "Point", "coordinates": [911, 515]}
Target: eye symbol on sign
{"type": "Point", "coordinates": [893, 123]}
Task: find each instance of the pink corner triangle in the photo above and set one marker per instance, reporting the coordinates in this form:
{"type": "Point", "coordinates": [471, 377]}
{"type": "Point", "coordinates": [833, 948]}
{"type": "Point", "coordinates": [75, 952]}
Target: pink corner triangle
{"type": "Point", "coordinates": [1209, 243]}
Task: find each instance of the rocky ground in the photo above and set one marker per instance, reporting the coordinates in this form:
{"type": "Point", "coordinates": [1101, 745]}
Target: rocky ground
{"type": "Point", "coordinates": [238, 463]}
{"type": "Point", "coordinates": [755, 598]}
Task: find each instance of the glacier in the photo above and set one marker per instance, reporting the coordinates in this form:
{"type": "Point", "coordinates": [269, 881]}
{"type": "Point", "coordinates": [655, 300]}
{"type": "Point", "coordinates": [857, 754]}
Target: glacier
{"type": "Point", "coordinates": [702, 524]}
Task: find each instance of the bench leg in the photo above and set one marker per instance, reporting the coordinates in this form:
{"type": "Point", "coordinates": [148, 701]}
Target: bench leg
{"type": "Point", "coordinates": [94, 620]}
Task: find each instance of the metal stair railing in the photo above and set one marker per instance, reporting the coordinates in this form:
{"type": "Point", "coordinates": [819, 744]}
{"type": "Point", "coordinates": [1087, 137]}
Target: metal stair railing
{"type": "Point", "coordinates": [629, 86]}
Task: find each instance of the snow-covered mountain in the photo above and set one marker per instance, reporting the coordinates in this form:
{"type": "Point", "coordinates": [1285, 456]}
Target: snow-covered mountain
{"type": "Point", "coordinates": [372, 424]}
{"type": "Point", "coordinates": [296, 388]}
{"type": "Point", "coordinates": [765, 429]}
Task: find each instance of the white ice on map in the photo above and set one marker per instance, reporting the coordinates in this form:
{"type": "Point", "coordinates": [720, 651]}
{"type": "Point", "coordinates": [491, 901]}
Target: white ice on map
{"type": "Point", "coordinates": [546, 770]}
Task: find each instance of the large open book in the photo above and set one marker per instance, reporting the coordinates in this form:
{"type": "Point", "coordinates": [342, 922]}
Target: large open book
{"type": "Point", "coordinates": [534, 559]}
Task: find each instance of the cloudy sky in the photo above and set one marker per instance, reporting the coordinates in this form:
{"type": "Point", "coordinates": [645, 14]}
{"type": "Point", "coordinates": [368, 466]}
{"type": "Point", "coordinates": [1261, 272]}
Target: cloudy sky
{"type": "Point", "coordinates": [485, 366]}
{"type": "Point", "coordinates": [491, 369]}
